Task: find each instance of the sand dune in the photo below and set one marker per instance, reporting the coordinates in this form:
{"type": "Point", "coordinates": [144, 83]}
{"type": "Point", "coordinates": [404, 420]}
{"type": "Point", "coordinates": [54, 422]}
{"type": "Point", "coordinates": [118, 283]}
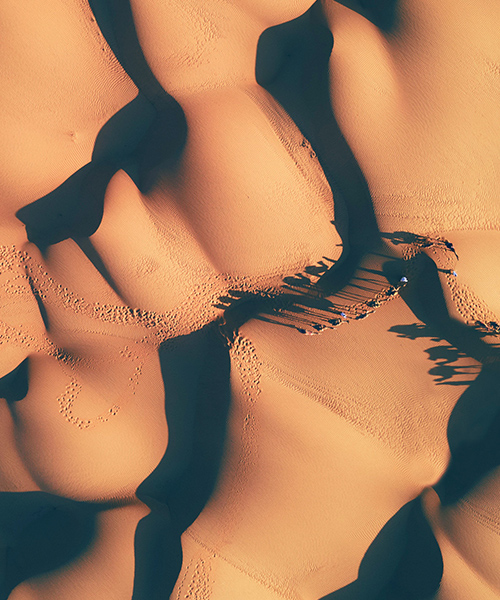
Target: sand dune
{"type": "Point", "coordinates": [249, 300]}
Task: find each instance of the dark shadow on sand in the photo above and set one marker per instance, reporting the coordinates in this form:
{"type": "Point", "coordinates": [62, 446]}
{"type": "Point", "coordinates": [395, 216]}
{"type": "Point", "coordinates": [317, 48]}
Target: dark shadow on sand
{"type": "Point", "coordinates": [474, 425]}
{"type": "Point", "coordinates": [475, 457]}
{"type": "Point", "coordinates": [165, 138]}
{"type": "Point", "coordinates": [39, 533]}
{"type": "Point", "coordinates": [149, 132]}
{"type": "Point", "coordinates": [14, 385]}
{"type": "Point", "coordinates": [402, 563]}
{"type": "Point", "coordinates": [298, 78]}
{"type": "Point", "coordinates": [72, 210]}
{"type": "Point", "coordinates": [195, 369]}
{"type": "Point", "coordinates": [382, 13]}
{"type": "Point", "coordinates": [302, 301]}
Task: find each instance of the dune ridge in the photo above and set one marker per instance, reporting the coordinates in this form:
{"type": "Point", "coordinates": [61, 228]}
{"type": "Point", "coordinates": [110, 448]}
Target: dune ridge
{"type": "Point", "coordinates": [249, 307]}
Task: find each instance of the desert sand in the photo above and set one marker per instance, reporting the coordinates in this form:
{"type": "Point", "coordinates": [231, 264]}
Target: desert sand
{"type": "Point", "coordinates": [249, 300]}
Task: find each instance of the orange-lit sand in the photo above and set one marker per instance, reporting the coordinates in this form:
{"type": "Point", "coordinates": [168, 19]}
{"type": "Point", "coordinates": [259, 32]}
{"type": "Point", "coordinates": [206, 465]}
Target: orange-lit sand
{"type": "Point", "coordinates": [170, 220]}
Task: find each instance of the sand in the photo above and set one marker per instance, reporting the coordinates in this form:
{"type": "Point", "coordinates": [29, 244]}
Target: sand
{"type": "Point", "coordinates": [249, 300]}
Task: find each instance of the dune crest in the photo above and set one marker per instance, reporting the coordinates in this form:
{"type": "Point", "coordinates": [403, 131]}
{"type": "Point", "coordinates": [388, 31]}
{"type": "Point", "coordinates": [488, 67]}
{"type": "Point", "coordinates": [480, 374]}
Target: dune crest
{"type": "Point", "coordinates": [249, 309]}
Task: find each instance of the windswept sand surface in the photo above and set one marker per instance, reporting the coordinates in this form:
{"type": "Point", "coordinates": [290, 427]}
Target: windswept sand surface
{"type": "Point", "coordinates": [249, 300]}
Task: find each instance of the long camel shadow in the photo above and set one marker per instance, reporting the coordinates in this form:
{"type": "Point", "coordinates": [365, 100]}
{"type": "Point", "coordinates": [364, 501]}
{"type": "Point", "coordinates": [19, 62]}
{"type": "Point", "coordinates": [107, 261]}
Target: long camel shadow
{"type": "Point", "coordinates": [301, 86]}
{"type": "Point", "coordinates": [475, 420]}
{"type": "Point", "coordinates": [404, 561]}
{"type": "Point", "coordinates": [179, 488]}
{"type": "Point", "coordinates": [474, 425]}
{"type": "Point", "coordinates": [197, 406]}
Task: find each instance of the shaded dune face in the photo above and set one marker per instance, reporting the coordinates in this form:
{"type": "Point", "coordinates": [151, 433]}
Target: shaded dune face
{"type": "Point", "coordinates": [427, 93]}
{"type": "Point", "coordinates": [140, 222]}
{"type": "Point", "coordinates": [149, 251]}
{"type": "Point", "coordinates": [400, 415]}
{"type": "Point", "coordinates": [274, 13]}
{"type": "Point", "coordinates": [49, 114]}
{"type": "Point", "coordinates": [56, 122]}
{"type": "Point", "coordinates": [75, 442]}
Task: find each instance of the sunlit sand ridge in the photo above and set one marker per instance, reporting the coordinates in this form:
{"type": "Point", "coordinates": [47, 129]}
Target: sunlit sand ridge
{"type": "Point", "coordinates": [249, 300]}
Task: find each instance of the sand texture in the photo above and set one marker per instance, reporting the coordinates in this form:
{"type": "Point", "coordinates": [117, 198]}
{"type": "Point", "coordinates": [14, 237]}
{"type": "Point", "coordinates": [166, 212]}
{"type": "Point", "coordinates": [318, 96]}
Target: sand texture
{"type": "Point", "coordinates": [249, 300]}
